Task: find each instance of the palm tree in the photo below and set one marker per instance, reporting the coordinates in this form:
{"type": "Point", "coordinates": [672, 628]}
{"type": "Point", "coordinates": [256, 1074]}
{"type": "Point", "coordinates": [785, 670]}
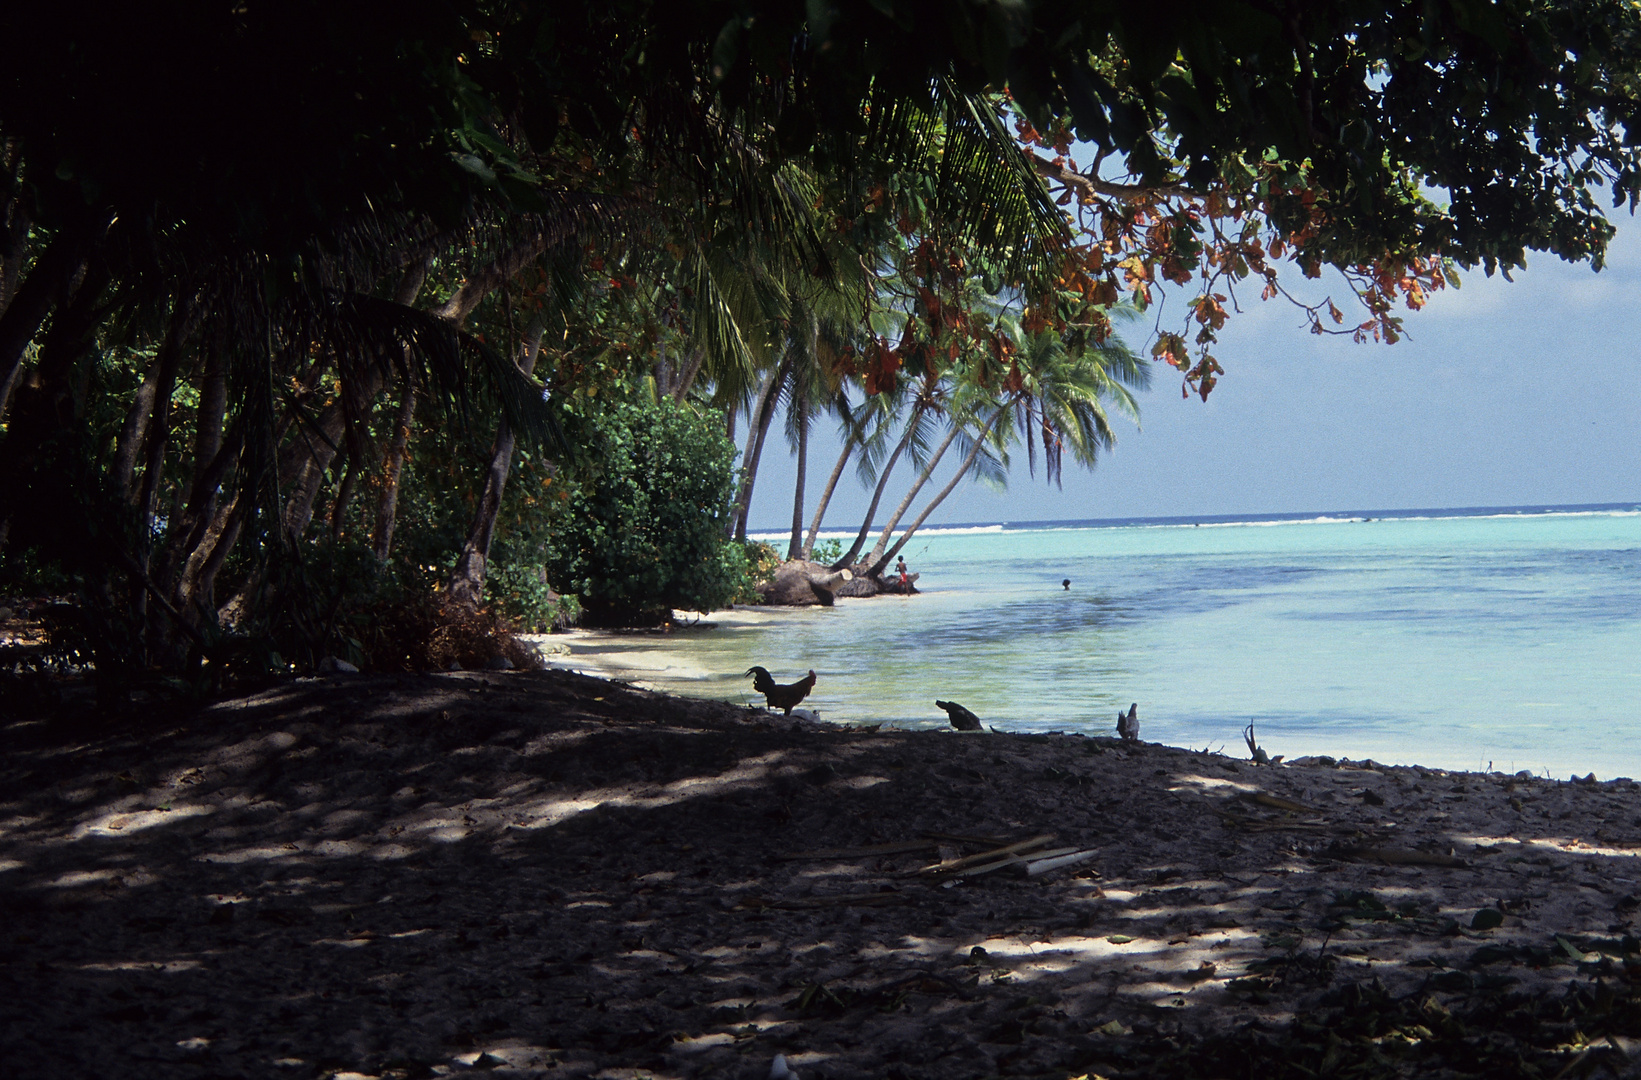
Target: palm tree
{"type": "Point", "coordinates": [926, 395]}
{"type": "Point", "coordinates": [865, 428]}
{"type": "Point", "coordinates": [1053, 396]}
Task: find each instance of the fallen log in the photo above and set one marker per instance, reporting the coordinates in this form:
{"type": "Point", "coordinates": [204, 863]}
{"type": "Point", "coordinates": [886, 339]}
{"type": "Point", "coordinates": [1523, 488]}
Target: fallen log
{"type": "Point", "coordinates": [802, 584]}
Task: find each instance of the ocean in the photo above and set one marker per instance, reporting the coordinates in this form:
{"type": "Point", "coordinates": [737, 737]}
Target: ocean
{"type": "Point", "coordinates": [1503, 638]}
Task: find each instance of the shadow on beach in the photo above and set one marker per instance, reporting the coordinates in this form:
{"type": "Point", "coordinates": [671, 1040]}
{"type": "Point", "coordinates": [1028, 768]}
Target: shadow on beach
{"type": "Point", "coordinates": [551, 875]}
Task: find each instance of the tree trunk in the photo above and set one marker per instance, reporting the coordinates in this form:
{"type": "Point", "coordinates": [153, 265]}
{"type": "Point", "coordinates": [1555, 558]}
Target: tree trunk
{"type": "Point", "coordinates": [169, 360]}
{"type": "Point", "coordinates": [883, 476]}
{"type": "Point", "coordinates": [49, 404]}
{"type": "Point", "coordinates": [826, 497]}
{"type": "Point", "coordinates": [344, 495]}
{"type": "Point", "coordinates": [906, 503]}
{"type": "Point", "coordinates": [800, 402]}
{"type": "Point", "coordinates": [686, 378]}
{"type": "Point", "coordinates": [212, 412]}
{"type": "Point", "coordinates": [962, 471]}
{"type": "Point", "coordinates": [742, 493]}
{"type": "Point", "coordinates": [161, 386]}
{"type": "Point", "coordinates": [60, 262]}
{"type": "Point", "coordinates": [467, 579]}
{"type": "Point", "coordinates": [798, 583]}
{"type": "Point", "coordinates": [8, 388]}
{"type": "Point", "coordinates": [56, 393]}
{"type": "Point", "coordinates": [322, 442]}
{"type": "Point", "coordinates": [202, 583]}
{"type": "Point", "coordinates": [14, 223]}
{"type": "Point", "coordinates": [486, 281]}
{"type": "Point", "coordinates": [132, 432]}
{"type": "Point", "coordinates": [329, 427]}
{"type": "Point", "coordinates": [393, 463]}
{"type": "Point", "coordinates": [663, 372]}
{"type": "Point", "coordinates": [190, 530]}
{"type": "Point", "coordinates": [756, 435]}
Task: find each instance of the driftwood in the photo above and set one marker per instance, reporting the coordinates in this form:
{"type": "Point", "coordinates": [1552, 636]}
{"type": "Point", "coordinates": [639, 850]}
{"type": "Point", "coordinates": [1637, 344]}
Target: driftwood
{"type": "Point", "coordinates": [864, 584]}
{"type": "Point", "coordinates": [1030, 865]}
{"type": "Point", "coordinates": [1259, 755]}
{"type": "Point", "coordinates": [801, 584]}
{"type": "Point", "coordinates": [1044, 864]}
{"type": "Point", "coordinates": [991, 856]}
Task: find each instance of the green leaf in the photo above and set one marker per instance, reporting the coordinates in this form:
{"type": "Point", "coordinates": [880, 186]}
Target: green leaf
{"type": "Point", "coordinates": [475, 165]}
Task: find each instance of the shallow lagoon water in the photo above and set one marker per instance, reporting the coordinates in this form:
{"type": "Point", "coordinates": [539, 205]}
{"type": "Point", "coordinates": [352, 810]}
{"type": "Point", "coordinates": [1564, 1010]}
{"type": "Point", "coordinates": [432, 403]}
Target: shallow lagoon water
{"type": "Point", "coordinates": [1500, 639]}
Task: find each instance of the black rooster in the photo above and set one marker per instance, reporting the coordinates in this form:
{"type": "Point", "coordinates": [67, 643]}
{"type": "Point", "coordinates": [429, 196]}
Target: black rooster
{"type": "Point", "coordinates": [781, 697]}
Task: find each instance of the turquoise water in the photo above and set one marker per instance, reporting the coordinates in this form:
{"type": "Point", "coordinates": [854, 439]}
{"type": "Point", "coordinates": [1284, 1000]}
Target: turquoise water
{"type": "Point", "coordinates": [1462, 639]}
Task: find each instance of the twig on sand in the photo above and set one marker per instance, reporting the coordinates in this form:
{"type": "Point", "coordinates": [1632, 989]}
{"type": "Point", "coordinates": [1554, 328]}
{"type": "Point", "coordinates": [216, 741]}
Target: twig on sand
{"type": "Point", "coordinates": [987, 856]}
{"type": "Point", "coordinates": [1259, 755]}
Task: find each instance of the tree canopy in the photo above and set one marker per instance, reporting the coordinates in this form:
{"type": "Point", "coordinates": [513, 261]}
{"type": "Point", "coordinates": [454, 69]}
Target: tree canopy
{"type": "Point", "coordinates": [247, 252]}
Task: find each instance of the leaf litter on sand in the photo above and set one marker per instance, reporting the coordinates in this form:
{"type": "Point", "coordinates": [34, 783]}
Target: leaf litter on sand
{"type": "Point", "coordinates": [570, 877]}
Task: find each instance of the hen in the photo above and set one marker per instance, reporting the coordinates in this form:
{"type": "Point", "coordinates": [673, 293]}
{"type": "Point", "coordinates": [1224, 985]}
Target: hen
{"type": "Point", "coordinates": [781, 697]}
{"type": "Point", "coordinates": [1128, 725]}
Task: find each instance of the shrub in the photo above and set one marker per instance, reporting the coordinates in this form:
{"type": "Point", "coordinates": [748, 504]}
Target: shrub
{"type": "Point", "coordinates": [761, 560]}
{"type": "Point", "coordinates": [418, 632]}
{"type": "Point", "coordinates": [522, 591]}
{"type": "Point", "coordinates": [827, 551]}
{"type": "Point", "coordinates": [642, 533]}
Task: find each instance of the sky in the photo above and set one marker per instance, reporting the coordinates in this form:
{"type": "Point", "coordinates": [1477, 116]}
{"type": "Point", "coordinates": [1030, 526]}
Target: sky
{"type": "Point", "coordinates": [1502, 393]}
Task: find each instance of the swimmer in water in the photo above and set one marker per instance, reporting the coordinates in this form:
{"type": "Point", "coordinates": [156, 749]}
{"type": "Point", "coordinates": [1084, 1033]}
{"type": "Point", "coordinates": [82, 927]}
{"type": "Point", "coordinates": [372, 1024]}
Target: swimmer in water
{"type": "Point", "coordinates": [1066, 584]}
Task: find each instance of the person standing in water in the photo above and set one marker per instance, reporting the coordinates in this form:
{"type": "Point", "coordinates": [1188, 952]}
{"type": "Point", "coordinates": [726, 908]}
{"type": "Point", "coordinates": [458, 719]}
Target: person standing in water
{"type": "Point", "coordinates": [900, 568]}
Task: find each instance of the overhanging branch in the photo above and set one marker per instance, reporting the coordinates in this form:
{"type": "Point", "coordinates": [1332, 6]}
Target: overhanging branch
{"type": "Point", "coordinates": [1092, 186]}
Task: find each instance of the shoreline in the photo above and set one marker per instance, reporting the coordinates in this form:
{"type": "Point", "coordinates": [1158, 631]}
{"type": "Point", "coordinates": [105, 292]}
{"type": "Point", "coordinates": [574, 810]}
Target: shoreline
{"type": "Point", "coordinates": [558, 876]}
{"type": "Point", "coordinates": [643, 659]}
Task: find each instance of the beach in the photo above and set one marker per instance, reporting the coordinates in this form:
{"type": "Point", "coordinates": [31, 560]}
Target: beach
{"type": "Point", "coordinates": [548, 875]}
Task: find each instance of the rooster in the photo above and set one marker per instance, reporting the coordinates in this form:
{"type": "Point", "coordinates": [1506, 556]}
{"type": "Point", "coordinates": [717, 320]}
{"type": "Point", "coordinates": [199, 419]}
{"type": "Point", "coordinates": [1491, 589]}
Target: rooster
{"type": "Point", "coordinates": [781, 697]}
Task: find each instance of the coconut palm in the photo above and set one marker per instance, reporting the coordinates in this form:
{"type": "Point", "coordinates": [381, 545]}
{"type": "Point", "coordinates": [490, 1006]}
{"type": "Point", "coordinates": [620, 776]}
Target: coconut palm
{"type": "Point", "coordinates": [864, 427]}
{"type": "Point", "coordinates": [1050, 395]}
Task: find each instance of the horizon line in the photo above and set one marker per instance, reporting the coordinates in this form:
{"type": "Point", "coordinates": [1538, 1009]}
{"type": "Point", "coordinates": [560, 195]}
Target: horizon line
{"type": "Point", "coordinates": [1540, 508]}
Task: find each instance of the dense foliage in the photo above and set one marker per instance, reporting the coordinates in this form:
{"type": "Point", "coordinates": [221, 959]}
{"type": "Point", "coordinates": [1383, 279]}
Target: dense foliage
{"type": "Point", "coordinates": [287, 292]}
{"type": "Point", "coordinates": [644, 532]}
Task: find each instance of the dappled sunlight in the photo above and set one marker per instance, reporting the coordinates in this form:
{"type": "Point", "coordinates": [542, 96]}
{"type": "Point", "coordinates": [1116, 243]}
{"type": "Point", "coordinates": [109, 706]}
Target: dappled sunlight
{"type": "Point", "coordinates": [76, 878]}
{"type": "Point", "coordinates": [10, 825]}
{"type": "Point", "coordinates": [1190, 782]}
{"type": "Point", "coordinates": [672, 901]}
{"type": "Point", "coordinates": [1585, 847]}
{"type": "Point", "coordinates": [135, 821]}
{"type": "Point", "coordinates": [155, 966]}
